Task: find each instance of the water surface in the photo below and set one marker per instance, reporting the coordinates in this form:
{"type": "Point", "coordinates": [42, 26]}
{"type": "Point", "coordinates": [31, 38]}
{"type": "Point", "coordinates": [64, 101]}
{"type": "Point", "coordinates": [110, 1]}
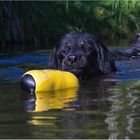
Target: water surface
{"type": "Point", "coordinates": [105, 107]}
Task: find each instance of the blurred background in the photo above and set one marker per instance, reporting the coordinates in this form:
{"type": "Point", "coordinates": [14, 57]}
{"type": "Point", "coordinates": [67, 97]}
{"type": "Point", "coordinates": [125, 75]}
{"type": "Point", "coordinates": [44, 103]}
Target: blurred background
{"type": "Point", "coordinates": [44, 22]}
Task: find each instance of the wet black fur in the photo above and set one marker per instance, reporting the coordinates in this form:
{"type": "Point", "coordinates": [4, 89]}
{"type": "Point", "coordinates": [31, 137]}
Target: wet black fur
{"type": "Point", "coordinates": [85, 56]}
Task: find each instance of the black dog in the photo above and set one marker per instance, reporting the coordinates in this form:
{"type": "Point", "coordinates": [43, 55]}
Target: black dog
{"type": "Point", "coordinates": [85, 56]}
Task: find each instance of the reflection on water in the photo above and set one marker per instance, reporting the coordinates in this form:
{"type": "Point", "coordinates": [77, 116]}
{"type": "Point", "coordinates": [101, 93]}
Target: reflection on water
{"type": "Point", "coordinates": [107, 107]}
{"type": "Point", "coordinates": [122, 117]}
{"type": "Point", "coordinates": [56, 99]}
{"type": "Point", "coordinates": [98, 110]}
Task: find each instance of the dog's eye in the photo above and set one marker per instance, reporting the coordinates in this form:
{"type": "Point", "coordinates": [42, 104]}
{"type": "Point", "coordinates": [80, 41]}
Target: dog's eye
{"type": "Point", "coordinates": [82, 43]}
{"type": "Point", "coordinates": [84, 46]}
{"type": "Point", "coordinates": [68, 46]}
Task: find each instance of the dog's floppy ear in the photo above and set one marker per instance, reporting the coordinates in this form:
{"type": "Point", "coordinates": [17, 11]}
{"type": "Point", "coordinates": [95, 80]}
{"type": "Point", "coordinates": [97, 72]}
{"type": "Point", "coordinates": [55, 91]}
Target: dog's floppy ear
{"type": "Point", "coordinates": [104, 59]}
{"type": "Point", "coordinates": [52, 62]}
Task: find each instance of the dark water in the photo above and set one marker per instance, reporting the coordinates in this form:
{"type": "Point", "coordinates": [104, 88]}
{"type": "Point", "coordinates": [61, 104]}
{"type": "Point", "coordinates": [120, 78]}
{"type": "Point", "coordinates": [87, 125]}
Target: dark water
{"type": "Point", "coordinates": [101, 108]}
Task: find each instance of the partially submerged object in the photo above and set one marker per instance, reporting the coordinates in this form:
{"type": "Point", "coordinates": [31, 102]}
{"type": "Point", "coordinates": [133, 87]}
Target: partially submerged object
{"type": "Point", "coordinates": [47, 80]}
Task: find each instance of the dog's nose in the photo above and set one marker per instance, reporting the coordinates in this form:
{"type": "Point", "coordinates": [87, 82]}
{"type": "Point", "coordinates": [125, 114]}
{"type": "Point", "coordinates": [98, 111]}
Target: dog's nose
{"type": "Point", "coordinates": [74, 58]}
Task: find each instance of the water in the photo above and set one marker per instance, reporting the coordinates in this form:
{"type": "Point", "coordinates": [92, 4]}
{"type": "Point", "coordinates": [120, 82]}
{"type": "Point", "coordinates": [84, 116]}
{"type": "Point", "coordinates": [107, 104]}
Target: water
{"type": "Point", "coordinates": [101, 108]}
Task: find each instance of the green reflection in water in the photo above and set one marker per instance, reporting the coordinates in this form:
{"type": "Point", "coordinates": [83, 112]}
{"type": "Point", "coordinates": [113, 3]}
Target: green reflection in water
{"type": "Point", "coordinates": [122, 119]}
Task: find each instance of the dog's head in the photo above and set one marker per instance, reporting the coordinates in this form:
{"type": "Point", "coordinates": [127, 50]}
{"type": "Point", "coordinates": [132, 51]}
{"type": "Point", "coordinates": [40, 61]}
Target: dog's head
{"type": "Point", "coordinates": [82, 54]}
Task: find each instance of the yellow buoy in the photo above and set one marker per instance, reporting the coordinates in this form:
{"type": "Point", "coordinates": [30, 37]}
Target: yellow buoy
{"type": "Point", "coordinates": [46, 80]}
